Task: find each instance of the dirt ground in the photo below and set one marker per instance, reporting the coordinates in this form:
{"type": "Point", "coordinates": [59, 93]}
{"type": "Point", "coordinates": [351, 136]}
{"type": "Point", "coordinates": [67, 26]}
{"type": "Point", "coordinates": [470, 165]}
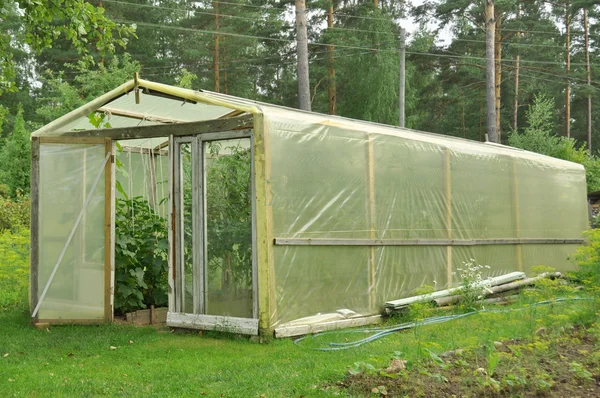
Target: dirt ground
{"type": "Point", "coordinates": [566, 365]}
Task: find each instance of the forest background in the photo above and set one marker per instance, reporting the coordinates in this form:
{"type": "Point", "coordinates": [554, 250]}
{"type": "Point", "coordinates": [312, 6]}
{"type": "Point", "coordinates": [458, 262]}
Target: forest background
{"type": "Point", "coordinates": [59, 54]}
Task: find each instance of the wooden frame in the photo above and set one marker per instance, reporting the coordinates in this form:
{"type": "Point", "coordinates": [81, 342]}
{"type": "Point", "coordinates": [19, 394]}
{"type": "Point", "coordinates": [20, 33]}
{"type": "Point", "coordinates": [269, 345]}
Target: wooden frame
{"type": "Point", "coordinates": [371, 217]}
{"type": "Point", "coordinates": [165, 130]}
{"type": "Point", "coordinates": [448, 197]}
{"type": "Point", "coordinates": [72, 140]}
{"type": "Point", "coordinates": [35, 222]}
{"type": "Point", "coordinates": [178, 316]}
{"type": "Point", "coordinates": [139, 116]}
{"type": "Point", "coordinates": [109, 230]}
{"type": "Point", "coordinates": [228, 324]}
{"type": "Point", "coordinates": [108, 170]}
{"type": "Point", "coordinates": [420, 242]}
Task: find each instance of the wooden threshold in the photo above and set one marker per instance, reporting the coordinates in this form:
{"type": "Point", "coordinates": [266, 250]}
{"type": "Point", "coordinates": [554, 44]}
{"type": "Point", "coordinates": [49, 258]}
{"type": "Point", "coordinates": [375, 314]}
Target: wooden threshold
{"type": "Point", "coordinates": [217, 323]}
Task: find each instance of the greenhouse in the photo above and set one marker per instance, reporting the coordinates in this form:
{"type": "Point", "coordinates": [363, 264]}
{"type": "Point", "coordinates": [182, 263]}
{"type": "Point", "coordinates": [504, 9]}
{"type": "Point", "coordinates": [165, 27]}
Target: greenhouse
{"type": "Point", "coordinates": [269, 220]}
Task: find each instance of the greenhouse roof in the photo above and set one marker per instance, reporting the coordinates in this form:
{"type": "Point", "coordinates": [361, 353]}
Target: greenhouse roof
{"type": "Point", "coordinates": [141, 102]}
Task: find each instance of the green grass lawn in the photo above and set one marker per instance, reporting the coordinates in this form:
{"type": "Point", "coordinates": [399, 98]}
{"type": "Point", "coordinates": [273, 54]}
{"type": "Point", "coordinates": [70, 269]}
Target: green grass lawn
{"type": "Point", "coordinates": [79, 361]}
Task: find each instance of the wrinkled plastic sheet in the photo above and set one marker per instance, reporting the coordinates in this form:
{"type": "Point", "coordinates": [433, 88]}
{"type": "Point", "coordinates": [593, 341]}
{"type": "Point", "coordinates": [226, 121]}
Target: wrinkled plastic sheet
{"type": "Point", "coordinates": [67, 173]}
{"type": "Point", "coordinates": [338, 179]}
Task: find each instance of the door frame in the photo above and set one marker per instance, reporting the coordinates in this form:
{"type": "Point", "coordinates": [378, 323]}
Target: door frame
{"type": "Point", "coordinates": [177, 317]}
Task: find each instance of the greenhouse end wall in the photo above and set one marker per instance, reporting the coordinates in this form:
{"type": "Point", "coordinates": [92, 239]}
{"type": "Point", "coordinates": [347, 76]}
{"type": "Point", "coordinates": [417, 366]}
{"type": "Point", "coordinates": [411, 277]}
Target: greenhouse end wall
{"type": "Point", "coordinates": [336, 179]}
{"type": "Point", "coordinates": [66, 180]}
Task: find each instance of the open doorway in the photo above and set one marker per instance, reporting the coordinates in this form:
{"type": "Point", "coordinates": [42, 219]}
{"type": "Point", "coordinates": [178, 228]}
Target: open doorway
{"type": "Point", "coordinates": [141, 225]}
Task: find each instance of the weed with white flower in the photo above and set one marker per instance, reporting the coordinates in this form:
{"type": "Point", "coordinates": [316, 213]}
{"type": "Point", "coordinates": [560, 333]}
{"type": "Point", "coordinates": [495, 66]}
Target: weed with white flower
{"type": "Point", "coordinates": [473, 284]}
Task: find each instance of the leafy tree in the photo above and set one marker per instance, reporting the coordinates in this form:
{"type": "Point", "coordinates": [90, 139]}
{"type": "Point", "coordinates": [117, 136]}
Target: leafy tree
{"type": "Point", "coordinates": [62, 96]}
{"type": "Point", "coordinates": [16, 153]}
{"type": "Point", "coordinates": [83, 25]}
{"type": "Point", "coordinates": [538, 137]}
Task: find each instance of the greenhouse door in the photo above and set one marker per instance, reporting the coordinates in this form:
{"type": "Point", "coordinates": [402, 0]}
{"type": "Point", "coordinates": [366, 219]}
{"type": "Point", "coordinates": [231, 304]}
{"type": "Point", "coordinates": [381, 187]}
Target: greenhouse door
{"type": "Point", "coordinates": [214, 278]}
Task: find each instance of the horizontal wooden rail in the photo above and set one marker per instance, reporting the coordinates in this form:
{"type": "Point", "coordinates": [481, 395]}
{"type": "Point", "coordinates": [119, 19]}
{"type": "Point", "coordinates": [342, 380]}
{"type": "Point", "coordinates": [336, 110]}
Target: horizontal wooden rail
{"type": "Point", "coordinates": [420, 242]}
{"type": "Point", "coordinates": [165, 130]}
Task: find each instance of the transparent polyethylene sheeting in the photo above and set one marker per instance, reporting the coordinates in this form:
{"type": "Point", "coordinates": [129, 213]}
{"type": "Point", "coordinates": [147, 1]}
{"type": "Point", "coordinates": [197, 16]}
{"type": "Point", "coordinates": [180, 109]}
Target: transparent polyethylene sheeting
{"type": "Point", "coordinates": [332, 178]}
{"type": "Point", "coordinates": [67, 173]}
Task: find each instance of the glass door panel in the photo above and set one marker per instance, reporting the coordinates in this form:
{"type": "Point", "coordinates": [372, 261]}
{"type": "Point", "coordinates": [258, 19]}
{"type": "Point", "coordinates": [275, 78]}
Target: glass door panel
{"type": "Point", "coordinates": [228, 228]}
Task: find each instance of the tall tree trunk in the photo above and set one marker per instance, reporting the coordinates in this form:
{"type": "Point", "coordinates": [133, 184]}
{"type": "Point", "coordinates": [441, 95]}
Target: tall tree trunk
{"type": "Point", "coordinates": [490, 30]}
{"type": "Point", "coordinates": [302, 53]}
{"type": "Point", "coordinates": [402, 88]}
{"type": "Point", "coordinates": [589, 79]}
{"type": "Point", "coordinates": [224, 64]}
{"type": "Point", "coordinates": [480, 114]}
{"type": "Point", "coordinates": [517, 64]}
{"type": "Point", "coordinates": [216, 46]}
{"type": "Point", "coordinates": [498, 72]}
{"type": "Point", "coordinates": [331, 90]}
{"type": "Point", "coordinates": [568, 70]}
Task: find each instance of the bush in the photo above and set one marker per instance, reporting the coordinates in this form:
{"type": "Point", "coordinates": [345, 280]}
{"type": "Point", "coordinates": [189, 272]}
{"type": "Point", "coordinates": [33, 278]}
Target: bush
{"type": "Point", "coordinates": [14, 268]}
{"type": "Point", "coordinates": [538, 137]}
{"type": "Point", "coordinates": [14, 214]}
{"type": "Point", "coordinates": [141, 256]}
{"type": "Point", "coordinates": [587, 258]}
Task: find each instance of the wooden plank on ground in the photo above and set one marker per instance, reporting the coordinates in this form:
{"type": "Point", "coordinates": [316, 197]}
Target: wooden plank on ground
{"type": "Point", "coordinates": [299, 330]}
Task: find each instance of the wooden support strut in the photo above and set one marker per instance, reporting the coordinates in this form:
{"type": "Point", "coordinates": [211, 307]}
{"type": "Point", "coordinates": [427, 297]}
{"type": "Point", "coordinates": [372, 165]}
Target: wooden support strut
{"type": "Point", "coordinates": [35, 224]}
{"type": "Point", "coordinates": [420, 242]}
{"type": "Point", "coordinates": [163, 130]}
{"type": "Point", "coordinates": [108, 228]}
{"type": "Point", "coordinates": [448, 196]}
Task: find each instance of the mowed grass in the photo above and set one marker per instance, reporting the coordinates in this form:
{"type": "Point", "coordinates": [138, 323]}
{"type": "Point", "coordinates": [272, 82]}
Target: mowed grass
{"type": "Point", "coordinates": [79, 361]}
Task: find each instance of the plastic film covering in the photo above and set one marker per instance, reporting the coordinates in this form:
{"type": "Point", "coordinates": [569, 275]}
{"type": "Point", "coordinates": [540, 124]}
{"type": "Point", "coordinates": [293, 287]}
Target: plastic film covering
{"type": "Point", "coordinates": [67, 173]}
{"type": "Point", "coordinates": [144, 175]}
{"type": "Point", "coordinates": [338, 179]}
{"type": "Point", "coordinates": [152, 109]}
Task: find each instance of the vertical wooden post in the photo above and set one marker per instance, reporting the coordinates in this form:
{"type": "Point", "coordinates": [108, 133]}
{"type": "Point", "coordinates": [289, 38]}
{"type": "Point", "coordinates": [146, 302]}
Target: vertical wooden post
{"type": "Point", "coordinates": [108, 230]}
{"type": "Point", "coordinates": [35, 225]}
{"type": "Point", "coordinates": [515, 184]}
{"type": "Point", "coordinates": [171, 229]}
{"type": "Point", "coordinates": [267, 310]}
{"type": "Point", "coordinates": [136, 78]}
{"type": "Point", "coordinates": [448, 196]}
{"type": "Point", "coordinates": [371, 217]}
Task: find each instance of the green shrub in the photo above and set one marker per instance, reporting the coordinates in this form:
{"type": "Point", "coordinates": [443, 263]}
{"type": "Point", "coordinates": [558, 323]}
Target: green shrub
{"type": "Point", "coordinates": [587, 259]}
{"type": "Point", "coordinates": [538, 137]}
{"type": "Point", "coordinates": [14, 268]}
{"type": "Point", "coordinates": [14, 213]}
{"type": "Point", "coordinates": [141, 256]}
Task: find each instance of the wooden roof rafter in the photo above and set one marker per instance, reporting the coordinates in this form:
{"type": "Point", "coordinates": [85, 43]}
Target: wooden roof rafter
{"type": "Point", "coordinates": [137, 115]}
